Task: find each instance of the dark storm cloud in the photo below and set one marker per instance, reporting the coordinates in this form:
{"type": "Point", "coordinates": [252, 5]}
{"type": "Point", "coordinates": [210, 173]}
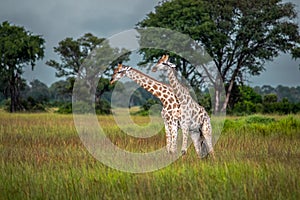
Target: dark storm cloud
{"type": "Point", "coordinates": [57, 19]}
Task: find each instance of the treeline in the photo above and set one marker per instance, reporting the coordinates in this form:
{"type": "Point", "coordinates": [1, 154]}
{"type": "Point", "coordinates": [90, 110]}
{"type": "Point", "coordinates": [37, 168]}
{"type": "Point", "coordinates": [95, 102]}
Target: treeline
{"type": "Point", "coordinates": [38, 97]}
{"type": "Point", "coordinates": [265, 99]}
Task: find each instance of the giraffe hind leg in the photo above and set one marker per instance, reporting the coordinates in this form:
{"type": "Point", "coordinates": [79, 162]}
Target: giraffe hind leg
{"type": "Point", "coordinates": [207, 134]}
{"type": "Point", "coordinates": [196, 138]}
{"type": "Point", "coordinates": [203, 147]}
{"type": "Point", "coordinates": [185, 134]}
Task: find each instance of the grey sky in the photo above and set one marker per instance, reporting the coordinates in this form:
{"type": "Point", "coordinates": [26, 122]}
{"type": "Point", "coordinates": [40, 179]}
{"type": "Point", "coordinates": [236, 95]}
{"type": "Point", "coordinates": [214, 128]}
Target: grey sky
{"type": "Point", "coordinates": [57, 19]}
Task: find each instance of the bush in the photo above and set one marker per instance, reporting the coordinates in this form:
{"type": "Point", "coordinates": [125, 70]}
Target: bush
{"type": "Point", "coordinates": [150, 107]}
{"type": "Point", "coordinates": [65, 108]}
{"type": "Point", "coordinates": [102, 107]}
{"type": "Point", "coordinates": [259, 119]}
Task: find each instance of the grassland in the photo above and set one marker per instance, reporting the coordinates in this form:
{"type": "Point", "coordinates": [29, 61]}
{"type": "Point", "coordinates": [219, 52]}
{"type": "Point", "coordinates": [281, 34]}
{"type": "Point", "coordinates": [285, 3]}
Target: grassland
{"type": "Point", "coordinates": [42, 157]}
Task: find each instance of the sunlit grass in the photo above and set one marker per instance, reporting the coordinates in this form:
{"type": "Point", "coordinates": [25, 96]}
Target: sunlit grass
{"type": "Point", "coordinates": [42, 157]}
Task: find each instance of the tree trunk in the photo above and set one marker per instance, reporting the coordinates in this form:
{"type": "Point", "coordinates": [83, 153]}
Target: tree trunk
{"type": "Point", "coordinates": [12, 97]}
{"type": "Point", "coordinates": [219, 92]}
{"type": "Point", "coordinates": [231, 83]}
{"type": "Point", "coordinates": [227, 96]}
{"type": "Point", "coordinates": [14, 93]}
{"type": "Point", "coordinates": [217, 101]}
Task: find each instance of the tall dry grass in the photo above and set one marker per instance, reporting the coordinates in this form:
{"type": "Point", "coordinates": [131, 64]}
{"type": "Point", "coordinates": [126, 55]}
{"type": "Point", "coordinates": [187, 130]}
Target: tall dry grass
{"type": "Point", "coordinates": [42, 157]}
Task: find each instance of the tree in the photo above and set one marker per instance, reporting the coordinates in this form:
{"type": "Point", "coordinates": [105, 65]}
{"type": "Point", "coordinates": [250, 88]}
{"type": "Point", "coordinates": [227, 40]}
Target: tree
{"type": "Point", "coordinates": [246, 101]}
{"type": "Point", "coordinates": [18, 48]}
{"type": "Point", "coordinates": [239, 35]}
{"type": "Point", "coordinates": [87, 60]}
{"type": "Point", "coordinates": [77, 61]}
{"type": "Point", "coordinates": [72, 54]}
{"type": "Point", "coordinates": [61, 91]}
{"type": "Point", "coordinates": [270, 98]}
{"type": "Point", "coordinates": [39, 91]}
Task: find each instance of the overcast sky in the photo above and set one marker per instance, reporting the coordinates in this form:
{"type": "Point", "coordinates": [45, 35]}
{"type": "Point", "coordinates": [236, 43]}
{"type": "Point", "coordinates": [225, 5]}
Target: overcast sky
{"type": "Point", "coordinates": [57, 19]}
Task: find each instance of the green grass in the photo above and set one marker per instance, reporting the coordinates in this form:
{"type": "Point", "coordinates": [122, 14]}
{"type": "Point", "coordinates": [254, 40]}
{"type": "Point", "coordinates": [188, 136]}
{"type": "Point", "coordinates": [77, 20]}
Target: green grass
{"type": "Point", "coordinates": [42, 157]}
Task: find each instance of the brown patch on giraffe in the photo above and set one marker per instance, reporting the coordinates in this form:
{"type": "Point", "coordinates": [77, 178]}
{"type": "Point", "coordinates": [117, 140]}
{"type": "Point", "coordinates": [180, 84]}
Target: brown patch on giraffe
{"type": "Point", "coordinates": [155, 87]}
{"type": "Point", "coordinates": [172, 100]}
{"type": "Point", "coordinates": [167, 117]}
{"type": "Point", "coordinates": [151, 90]}
{"type": "Point", "coordinates": [158, 93]}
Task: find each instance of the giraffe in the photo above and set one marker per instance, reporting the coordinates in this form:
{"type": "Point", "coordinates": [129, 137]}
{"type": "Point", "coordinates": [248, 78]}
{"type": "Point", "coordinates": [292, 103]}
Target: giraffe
{"type": "Point", "coordinates": [170, 112]}
{"type": "Point", "coordinates": [193, 119]}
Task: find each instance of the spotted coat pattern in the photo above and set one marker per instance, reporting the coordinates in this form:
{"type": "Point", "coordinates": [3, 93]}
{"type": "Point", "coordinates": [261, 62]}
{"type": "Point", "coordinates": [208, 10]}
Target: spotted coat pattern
{"type": "Point", "coordinates": [170, 111]}
{"type": "Point", "coordinates": [194, 119]}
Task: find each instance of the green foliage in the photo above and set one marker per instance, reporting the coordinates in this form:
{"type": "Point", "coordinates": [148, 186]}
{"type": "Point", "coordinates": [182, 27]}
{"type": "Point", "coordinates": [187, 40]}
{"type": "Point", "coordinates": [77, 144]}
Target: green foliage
{"type": "Point", "coordinates": [103, 107]}
{"type": "Point", "coordinates": [149, 104]}
{"type": "Point", "coordinates": [72, 54]}
{"type": "Point", "coordinates": [39, 91]}
{"type": "Point", "coordinates": [290, 93]}
{"type": "Point", "coordinates": [150, 108]}
{"type": "Point", "coordinates": [18, 48]}
{"type": "Point", "coordinates": [61, 91]}
{"type": "Point", "coordinates": [245, 100]}
{"type": "Point", "coordinates": [270, 98]}
{"type": "Point", "coordinates": [259, 119]}
{"type": "Point", "coordinates": [239, 35]}
{"type": "Point", "coordinates": [65, 108]}
{"type": "Point", "coordinates": [76, 59]}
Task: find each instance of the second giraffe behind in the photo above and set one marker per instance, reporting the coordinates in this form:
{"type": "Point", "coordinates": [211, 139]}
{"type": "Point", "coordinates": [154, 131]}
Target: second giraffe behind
{"type": "Point", "coordinates": [194, 119]}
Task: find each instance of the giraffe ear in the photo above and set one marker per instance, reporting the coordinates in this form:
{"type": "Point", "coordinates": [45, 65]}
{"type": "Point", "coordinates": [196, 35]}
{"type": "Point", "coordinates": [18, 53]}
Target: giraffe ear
{"type": "Point", "coordinates": [166, 57]}
{"type": "Point", "coordinates": [120, 66]}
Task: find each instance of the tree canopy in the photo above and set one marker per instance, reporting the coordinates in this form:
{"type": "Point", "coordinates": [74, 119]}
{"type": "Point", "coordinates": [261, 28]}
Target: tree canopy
{"type": "Point", "coordinates": [239, 35]}
{"type": "Point", "coordinates": [72, 54]}
{"type": "Point", "coordinates": [18, 48]}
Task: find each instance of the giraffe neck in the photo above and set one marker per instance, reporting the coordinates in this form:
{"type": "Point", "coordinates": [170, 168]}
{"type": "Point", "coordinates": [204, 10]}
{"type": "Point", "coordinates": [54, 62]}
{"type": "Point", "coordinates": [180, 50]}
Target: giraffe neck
{"type": "Point", "coordinates": [180, 91]}
{"type": "Point", "coordinates": [148, 83]}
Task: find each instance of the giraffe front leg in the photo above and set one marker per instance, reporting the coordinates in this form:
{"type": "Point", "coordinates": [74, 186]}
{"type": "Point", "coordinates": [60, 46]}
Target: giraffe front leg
{"type": "Point", "coordinates": [167, 130]}
{"type": "Point", "coordinates": [168, 138]}
{"type": "Point", "coordinates": [185, 134]}
{"type": "Point", "coordinates": [174, 133]}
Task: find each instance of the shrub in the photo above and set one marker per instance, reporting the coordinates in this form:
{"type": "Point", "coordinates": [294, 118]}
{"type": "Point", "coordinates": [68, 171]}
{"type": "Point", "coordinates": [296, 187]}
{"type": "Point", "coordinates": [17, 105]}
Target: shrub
{"type": "Point", "coordinates": [102, 107]}
{"type": "Point", "coordinates": [259, 119]}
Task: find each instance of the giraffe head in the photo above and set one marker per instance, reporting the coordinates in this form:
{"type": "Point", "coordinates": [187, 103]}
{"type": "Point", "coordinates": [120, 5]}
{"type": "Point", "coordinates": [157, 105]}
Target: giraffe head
{"type": "Point", "coordinates": [119, 73]}
{"type": "Point", "coordinates": [163, 64]}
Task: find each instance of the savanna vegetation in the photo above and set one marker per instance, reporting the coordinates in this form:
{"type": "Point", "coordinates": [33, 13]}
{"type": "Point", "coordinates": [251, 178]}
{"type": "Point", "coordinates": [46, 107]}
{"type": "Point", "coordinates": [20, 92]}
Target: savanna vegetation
{"type": "Point", "coordinates": [42, 157]}
{"type": "Point", "coordinates": [257, 154]}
